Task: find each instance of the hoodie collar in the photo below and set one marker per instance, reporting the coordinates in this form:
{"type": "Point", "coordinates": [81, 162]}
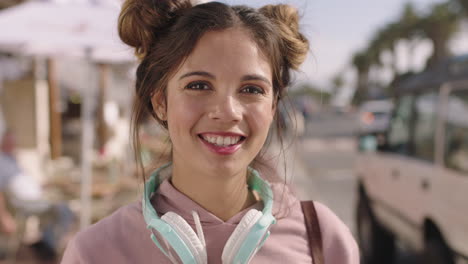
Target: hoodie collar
{"type": "Point", "coordinates": [168, 198]}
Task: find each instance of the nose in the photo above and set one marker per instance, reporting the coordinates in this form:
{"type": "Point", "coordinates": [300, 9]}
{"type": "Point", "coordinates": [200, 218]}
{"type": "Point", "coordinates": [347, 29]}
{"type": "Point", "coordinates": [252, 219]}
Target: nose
{"type": "Point", "coordinates": [226, 109]}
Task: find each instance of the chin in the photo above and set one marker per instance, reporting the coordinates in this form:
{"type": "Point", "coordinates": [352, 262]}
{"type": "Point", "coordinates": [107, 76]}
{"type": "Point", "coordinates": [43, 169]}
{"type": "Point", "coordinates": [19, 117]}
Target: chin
{"type": "Point", "coordinates": [227, 168]}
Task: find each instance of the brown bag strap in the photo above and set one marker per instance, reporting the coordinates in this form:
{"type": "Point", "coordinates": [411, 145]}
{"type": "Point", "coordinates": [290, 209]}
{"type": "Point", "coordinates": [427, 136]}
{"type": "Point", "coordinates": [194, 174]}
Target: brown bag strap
{"type": "Point", "coordinates": [313, 231]}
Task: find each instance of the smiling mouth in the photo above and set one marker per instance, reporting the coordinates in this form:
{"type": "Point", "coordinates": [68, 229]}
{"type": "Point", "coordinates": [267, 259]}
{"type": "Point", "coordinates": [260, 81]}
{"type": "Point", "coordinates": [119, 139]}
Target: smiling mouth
{"type": "Point", "coordinates": [222, 141]}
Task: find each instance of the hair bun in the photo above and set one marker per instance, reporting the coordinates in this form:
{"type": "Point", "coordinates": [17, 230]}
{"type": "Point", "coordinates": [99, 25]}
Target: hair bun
{"type": "Point", "coordinates": [295, 44]}
{"type": "Point", "coordinates": [140, 20]}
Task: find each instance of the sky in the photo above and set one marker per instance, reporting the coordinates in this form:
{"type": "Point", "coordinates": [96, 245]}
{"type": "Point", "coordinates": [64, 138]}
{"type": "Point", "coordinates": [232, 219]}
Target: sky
{"type": "Point", "coordinates": [336, 29]}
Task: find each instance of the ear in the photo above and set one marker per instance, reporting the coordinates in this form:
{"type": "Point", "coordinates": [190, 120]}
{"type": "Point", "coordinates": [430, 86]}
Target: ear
{"type": "Point", "coordinates": [159, 107]}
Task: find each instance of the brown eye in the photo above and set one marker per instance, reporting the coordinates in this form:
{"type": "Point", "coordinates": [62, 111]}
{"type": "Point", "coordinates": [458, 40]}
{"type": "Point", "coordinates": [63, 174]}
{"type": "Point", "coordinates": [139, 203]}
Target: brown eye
{"type": "Point", "coordinates": [253, 90]}
{"type": "Point", "coordinates": [197, 86]}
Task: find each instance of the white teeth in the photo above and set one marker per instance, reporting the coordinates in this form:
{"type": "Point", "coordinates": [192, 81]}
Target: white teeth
{"type": "Point", "coordinates": [222, 141]}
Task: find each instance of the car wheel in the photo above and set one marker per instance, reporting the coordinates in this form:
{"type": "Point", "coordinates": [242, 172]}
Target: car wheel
{"type": "Point", "coordinates": [376, 244]}
{"type": "Point", "coordinates": [437, 252]}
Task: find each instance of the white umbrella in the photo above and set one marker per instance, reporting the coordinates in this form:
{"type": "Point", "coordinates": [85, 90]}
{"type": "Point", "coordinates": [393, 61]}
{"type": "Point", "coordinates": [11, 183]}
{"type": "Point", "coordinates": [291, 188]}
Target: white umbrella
{"type": "Point", "coordinates": [53, 29]}
{"type": "Point", "coordinates": [47, 28]}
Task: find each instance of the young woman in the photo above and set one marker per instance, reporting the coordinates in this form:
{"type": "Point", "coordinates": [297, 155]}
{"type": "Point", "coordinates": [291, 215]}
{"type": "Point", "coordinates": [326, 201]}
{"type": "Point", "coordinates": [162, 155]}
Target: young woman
{"type": "Point", "coordinates": [212, 75]}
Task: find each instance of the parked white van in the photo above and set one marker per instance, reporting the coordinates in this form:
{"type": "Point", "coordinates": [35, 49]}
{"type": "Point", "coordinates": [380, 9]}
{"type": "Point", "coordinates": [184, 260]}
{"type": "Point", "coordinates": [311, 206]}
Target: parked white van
{"type": "Point", "coordinates": [413, 185]}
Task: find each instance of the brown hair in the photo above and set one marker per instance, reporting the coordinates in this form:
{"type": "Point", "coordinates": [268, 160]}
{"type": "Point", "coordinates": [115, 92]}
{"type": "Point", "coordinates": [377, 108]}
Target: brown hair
{"type": "Point", "coordinates": [164, 33]}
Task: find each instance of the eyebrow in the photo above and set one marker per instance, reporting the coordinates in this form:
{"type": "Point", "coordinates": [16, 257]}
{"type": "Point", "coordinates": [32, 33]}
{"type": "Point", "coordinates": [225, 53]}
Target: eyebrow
{"type": "Point", "coordinates": [249, 77]}
{"type": "Point", "coordinates": [255, 77]}
{"type": "Point", "coordinates": [198, 73]}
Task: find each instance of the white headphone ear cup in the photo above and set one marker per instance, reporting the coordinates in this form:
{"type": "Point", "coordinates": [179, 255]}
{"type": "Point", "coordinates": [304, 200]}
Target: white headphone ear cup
{"type": "Point", "coordinates": [238, 235]}
{"type": "Point", "coordinates": [186, 233]}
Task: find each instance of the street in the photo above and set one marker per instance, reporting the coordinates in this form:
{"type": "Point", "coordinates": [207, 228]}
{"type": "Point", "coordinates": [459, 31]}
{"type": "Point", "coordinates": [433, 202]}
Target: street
{"type": "Point", "coordinates": [321, 164]}
{"type": "Point", "coordinates": [321, 167]}
{"type": "Point", "coordinates": [329, 167]}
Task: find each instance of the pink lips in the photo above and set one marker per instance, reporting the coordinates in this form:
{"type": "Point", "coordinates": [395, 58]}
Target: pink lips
{"type": "Point", "coordinates": [222, 150]}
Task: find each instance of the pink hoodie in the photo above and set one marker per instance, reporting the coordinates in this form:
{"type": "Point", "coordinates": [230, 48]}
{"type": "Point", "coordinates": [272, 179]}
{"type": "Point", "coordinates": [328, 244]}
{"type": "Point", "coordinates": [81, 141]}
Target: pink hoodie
{"type": "Point", "coordinates": [123, 238]}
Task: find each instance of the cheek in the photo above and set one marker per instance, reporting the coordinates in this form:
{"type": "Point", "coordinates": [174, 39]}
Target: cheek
{"type": "Point", "coordinates": [261, 118]}
{"type": "Point", "coordinates": [183, 113]}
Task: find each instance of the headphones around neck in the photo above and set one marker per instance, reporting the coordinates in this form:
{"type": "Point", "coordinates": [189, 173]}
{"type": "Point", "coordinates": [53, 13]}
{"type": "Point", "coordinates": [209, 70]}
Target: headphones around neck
{"type": "Point", "coordinates": [177, 240]}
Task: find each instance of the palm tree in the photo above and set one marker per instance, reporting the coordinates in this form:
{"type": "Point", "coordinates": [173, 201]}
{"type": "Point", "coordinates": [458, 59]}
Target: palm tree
{"type": "Point", "coordinates": [387, 38]}
{"type": "Point", "coordinates": [410, 31]}
{"type": "Point", "coordinates": [385, 41]}
{"type": "Point", "coordinates": [463, 5]}
{"type": "Point", "coordinates": [439, 26]}
{"type": "Point", "coordinates": [337, 83]}
{"type": "Point", "coordinates": [362, 63]}
{"type": "Point", "coordinates": [409, 21]}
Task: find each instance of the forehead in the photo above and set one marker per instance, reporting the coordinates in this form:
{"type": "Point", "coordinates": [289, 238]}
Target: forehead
{"type": "Point", "coordinates": [230, 50]}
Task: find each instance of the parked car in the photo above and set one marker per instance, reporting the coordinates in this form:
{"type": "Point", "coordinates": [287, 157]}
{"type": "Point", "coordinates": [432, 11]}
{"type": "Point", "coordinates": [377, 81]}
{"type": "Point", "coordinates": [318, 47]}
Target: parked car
{"type": "Point", "coordinates": [413, 186]}
{"type": "Point", "coordinates": [374, 116]}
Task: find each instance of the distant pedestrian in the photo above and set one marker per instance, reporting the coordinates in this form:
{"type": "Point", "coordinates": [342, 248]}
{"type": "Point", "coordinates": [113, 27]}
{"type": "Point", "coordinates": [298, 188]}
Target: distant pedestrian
{"type": "Point", "coordinates": [212, 75]}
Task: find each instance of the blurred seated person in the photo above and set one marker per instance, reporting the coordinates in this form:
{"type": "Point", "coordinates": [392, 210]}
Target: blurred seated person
{"type": "Point", "coordinates": [23, 194]}
{"type": "Point", "coordinates": [8, 169]}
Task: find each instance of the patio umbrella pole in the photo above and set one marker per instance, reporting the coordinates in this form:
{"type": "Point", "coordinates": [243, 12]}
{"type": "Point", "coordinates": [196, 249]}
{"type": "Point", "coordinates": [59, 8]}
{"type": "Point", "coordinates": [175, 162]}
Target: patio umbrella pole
{"type": "Point", "coordinates": [54, 104]}
{"type": "Point", "coordinates": [103, 86]}
{"type": "Point", "coordinates": [87, 153]}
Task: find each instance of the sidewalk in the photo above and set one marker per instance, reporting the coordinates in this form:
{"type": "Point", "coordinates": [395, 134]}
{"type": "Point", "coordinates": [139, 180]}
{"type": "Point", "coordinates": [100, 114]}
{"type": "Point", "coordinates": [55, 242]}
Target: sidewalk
{"type": "Point", "coordinates": [290, 160]}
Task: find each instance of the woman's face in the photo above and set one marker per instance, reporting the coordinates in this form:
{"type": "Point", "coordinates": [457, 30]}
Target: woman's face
{"type": "Point", "coordinates": [220, 103]}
